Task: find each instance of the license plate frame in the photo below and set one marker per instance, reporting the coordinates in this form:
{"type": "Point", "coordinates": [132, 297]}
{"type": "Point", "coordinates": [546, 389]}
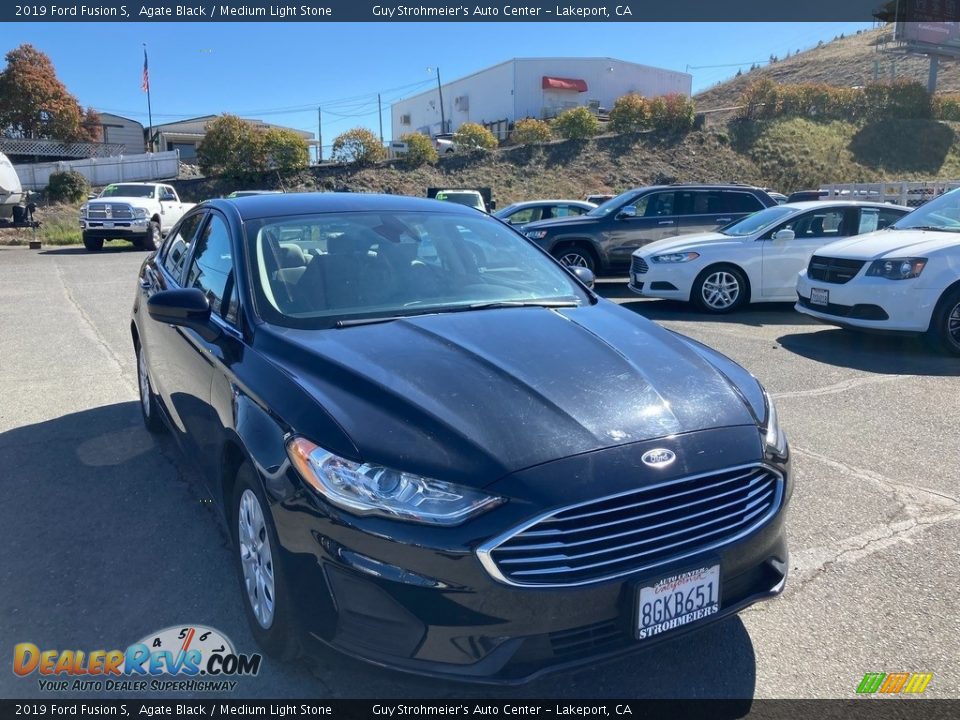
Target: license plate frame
{"type": "Point", "coordinates": [708, 571]}
{"type": "Point", "coordinates": [819, 296]}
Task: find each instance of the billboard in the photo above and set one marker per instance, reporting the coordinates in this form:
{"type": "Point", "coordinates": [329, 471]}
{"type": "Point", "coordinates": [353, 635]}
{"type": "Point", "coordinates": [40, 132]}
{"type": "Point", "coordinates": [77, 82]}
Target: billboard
{"type": "Point", "coordinates": [929, 24]}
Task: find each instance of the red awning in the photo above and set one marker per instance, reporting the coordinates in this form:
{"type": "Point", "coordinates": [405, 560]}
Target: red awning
{"type": "Point", "coordinates": [555, 83]}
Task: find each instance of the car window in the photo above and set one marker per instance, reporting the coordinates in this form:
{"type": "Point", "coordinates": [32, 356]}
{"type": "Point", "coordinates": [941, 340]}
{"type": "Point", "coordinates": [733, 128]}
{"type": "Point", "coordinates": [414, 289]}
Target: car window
{"type": "Point", "coordinates": [818, 223]}
{"type": "Point", "coordinates": [655, 204]}
{"type": "Point", "coordinates": [212, 264]}
{"type": "Point", "coordinates": [739, 202]}
{"type": "Point", "coordinates": [889, 217]}
{"type": "Point", "coordinates": [177, 247]}
{"type": "Point", "coordinates": [568, 211]}
{"type": "Point", "coordinates": [524, 216]}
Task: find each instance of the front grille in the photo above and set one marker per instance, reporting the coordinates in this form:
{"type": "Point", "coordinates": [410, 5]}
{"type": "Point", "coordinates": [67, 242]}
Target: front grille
{"type": "Point", "coordinates": [854, 312]}
{"type": "Point", "coordinates": [615, 536]}
{"type": "Point", "coordinates": [591, 640]}
{"type": "Point", "coordinates": [833, 270]}
{"type": "Point", "coordinates": [110, 212]}
{"type": "Point", "coordinates": [638, 266]}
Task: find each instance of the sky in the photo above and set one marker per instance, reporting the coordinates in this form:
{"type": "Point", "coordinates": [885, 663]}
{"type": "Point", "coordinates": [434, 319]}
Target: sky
{"type": "Point", "coordinates": [281, 72]}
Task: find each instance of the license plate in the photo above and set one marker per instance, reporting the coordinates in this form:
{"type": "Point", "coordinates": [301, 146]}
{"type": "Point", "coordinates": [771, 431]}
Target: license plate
{"type": "Point", "coordinates": [108, 224]}
{"type": "Point", "coordinates": [819, 296]}
{"type": "Point", "coordinates": [677, 601]}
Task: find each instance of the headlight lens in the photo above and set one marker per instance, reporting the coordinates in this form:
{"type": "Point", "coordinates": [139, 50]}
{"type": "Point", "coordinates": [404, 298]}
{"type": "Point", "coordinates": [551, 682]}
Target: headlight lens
{"type": "Point", "coordinates": [897, 268]}
{"type": "Point", "coordinates": [140, 213]}
{"type": "Point", "coordinates": [675, 257]}
{"type": "Point", "coordinates": [536, 234]}
{"type": "Point", "coordinates": [367, 489]}
{"type": "Point", "coordinates": [83, 210]}
{"type": "Point", "coordinates": [775, 439]}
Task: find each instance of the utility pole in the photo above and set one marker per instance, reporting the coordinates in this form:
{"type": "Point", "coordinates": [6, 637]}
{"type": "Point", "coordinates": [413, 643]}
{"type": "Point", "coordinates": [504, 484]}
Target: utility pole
{"type": "Point", "coordinates": [932, 77]}
{"type": "Point", "coordinates": [319, 136]}
{"type": "Point", "coordinates": [380, 113]}
{"type": "Point", "coordinates": [443, 117]}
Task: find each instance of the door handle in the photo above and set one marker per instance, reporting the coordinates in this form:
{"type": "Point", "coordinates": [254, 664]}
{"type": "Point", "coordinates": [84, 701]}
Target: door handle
{"type": "Point", "coordinates": [666, 222]}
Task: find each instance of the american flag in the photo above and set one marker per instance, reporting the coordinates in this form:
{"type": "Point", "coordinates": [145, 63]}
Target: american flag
{"type": "Point", "coordinates": [145, 85]}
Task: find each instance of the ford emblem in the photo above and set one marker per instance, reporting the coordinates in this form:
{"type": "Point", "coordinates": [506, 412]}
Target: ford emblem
{"type": "Point", "coordinates": [658, 458]}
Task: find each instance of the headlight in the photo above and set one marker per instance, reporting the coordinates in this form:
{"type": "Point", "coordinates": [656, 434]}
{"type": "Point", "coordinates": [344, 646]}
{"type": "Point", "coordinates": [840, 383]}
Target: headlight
{"type": "Point", "coordinates": [675, 257]}
{"type": "Point", "coordinates": [897, 268]}
{"type": "Point", "coordinates": [774, 439]}
{"type": "Point", "coordinates": [536, 234]}
{"type": "Point", "coordinates": [140, 213]}
{"type": "Point", "coordinates": [83, 210]}
{"type": "Point", "coordinates": [366, 489]}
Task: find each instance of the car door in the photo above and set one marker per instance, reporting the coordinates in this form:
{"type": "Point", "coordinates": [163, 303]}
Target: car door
{"type": "Point", "coordinates": [171, 209]}
{"type": "Point", "coordinates": [706, 210]}
{"type": "Point", "coordinates": [639, 222]}
{"type": "Point", "coordinates": [784, 258]}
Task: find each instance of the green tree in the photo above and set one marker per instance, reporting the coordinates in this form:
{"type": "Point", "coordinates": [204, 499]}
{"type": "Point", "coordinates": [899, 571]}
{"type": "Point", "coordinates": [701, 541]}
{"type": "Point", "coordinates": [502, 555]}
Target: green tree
{"type": "Point", "coordinates": [420, 151]}
{"type": "Point", "coordinates": [576, 124]}
{"type": "Point", "coordinates": [285, 150]}
{"type": "Point", "coordinates": [470, 136]}
{"type": "Point", "coordinates": [232, 147]}
{"type": "Point", "coordinates": [530, 131]}
{"type": "Point", "coordinates": [358, 146]}
{"type": "Point", "coordinates": [35, 104]}
{"type": "Point", "coordinates": [630, 113]}
{"type": "Point", "coordinates": [673, 113]}
{"type": "Point", "coordinates": [67, 187]}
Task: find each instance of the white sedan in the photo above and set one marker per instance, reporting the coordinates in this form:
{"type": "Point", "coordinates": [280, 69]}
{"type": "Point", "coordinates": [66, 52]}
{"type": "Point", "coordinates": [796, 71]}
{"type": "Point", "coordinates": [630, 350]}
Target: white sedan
{"type": "Point", "coordinates": [904, 279]}
{"type": "Point", "coordinates": [755, 259]}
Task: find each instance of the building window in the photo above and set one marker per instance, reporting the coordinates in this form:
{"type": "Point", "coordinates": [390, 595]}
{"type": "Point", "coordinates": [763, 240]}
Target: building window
{"type": "Point", "coordinates": [187, 150]}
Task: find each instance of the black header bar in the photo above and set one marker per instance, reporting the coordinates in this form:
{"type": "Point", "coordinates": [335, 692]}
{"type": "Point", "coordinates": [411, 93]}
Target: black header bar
{"type": "Point", "coordinates": [456, 11]}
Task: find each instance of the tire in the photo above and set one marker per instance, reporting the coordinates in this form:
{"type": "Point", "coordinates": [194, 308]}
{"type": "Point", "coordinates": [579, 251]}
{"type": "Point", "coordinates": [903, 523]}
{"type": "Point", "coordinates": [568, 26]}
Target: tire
{"type": "Point", "coordinates": [92, 244]}
{"type": "Point", "coordinates": [720, 289]}
{"type": "Point", "coordinates": [576, 256]}
{"type": "Point", "coordinates": [255, 537]}
{"type": "Point", "coordinates": [944, 332]}
{"type": "Point", "coordinates": [148, 400]}
{"type": "Point", "coordinates": [151, 241]}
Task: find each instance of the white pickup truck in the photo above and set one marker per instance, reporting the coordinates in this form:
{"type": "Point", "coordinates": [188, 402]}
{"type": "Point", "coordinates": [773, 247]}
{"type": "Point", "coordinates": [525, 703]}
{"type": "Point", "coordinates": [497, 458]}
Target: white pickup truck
{"type": "Point", "coordinates": [140, 212]}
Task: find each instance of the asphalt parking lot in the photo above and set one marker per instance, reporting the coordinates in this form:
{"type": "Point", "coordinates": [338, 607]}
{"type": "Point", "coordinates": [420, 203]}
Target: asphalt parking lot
{"type": "Point", "coordinates": [106, 536]}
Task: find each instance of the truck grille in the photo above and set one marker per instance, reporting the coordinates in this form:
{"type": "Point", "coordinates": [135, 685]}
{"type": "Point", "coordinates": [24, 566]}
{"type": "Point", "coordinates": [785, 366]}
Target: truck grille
{"type": "Point", "coordinates": [615, 536]}
{"type": "Point", "coordinates": [833, 270]}
{"type": "Point", "coordinates": [638, 266]}
{"type": "Point", "coordinates": [109, 211]}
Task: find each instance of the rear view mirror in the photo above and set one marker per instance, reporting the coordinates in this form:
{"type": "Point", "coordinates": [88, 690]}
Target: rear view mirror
{"type": "Point", "coordinates": [187, 308]}
{"type": "Point", "coordinates": [584, 275]}
{"type": "Point", "coordinates": [784, 235]}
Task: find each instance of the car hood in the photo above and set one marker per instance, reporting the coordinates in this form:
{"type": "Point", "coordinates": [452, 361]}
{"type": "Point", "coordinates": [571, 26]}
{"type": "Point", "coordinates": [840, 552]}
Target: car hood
{"type": "Point", "coordinates": [891, 243]}
{"type": "Point", "coordinates": [566, 222]}
{"type": "Point", "coordinates": [471, 397]}
{"type": "Point", "coordinates": [120, 200]}
{"type": "Point", "coordinates": [686, 242]}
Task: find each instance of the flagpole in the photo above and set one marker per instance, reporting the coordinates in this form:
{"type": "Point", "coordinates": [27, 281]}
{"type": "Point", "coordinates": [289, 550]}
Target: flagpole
{"type": "Point", "coordinates": [146, 82]}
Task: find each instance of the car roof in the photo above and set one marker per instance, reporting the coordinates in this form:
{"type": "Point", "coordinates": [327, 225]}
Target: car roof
{"type": "Point", "coordinates": [263, 206]}
{"type": "Point", "coordinates": [811, 204]}
{"type": "Point", "coordinates": [529, 203]}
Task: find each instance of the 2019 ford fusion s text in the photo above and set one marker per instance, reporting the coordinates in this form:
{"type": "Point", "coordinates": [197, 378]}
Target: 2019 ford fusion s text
{"type": "Point", "coordinates": [438, 450]}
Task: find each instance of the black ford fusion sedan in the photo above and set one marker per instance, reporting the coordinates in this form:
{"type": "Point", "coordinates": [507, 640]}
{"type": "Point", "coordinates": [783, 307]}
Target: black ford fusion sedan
{"type": "Point", "coordinates": [436, 449]}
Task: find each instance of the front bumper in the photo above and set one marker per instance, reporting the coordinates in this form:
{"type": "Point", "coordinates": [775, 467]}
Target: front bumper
{"type": "Point", "coordinates": [870, 303]}
{"type": "Point", "coordinates": [114, 228]}
{"type": "Point", "coordinates": [669, 282]}
{"type": "Point", "coordinates": [418, 599]}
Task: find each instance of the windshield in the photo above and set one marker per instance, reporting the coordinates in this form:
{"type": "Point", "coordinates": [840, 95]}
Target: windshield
{"type": "Point", "coordinates": [612, 204]}
{"type": "Point", "coordinates": [942, 213]}
{"type": "Point", "coordinates": [757, 222]}
{"type": "Point", "coordinates": [316, 271]}
{"type": "Point", "coordinates": [139, 191]}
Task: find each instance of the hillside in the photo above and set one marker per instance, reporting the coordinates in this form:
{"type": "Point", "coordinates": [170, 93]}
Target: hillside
{"type": "Point", "coordinates": [850, 61]}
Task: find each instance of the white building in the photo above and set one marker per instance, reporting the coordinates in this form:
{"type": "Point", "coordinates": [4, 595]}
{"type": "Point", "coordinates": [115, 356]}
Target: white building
{"type": "Point", "coordinates": [532, 87]}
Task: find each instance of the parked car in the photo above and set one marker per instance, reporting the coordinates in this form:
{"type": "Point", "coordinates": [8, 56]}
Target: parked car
{"type": "Point", "coordinates": [807, 196]}
{"type": "Point", "coordinates": [604, 238]}
{"type": "Point", "coordinates": [532, 210]}
{"type": "Point", "coordinates": [779, 197]}
{"type": "Point", "coordinates": [904, 279]}
{"type": "Point", "coordinates": [478, 198]}
{"type": "Point", "coordinates": [598, 199]}
{"type": "Point", "coordinates": [142, 213]}
{"type": "Point", "coordinates": [444, 144]}
{"type": "Point", "coordinates": [752, 260]}
{"type": "Point", "coordinates": [413, 463]}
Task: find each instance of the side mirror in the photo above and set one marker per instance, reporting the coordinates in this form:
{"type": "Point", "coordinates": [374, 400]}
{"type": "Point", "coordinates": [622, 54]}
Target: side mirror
{"type": "Point", "coordinates": [168, 197]}
{"type": "Point", "coordinates": [187, 308]}
{"type": "Point", "coordinates": [584, 275]}
{"type": "Point", "coordinates": [628, 212]}
{"type": "Point", "coordinates": [92, 196]}
{"type": "Point", "coordinates": [784, 235]}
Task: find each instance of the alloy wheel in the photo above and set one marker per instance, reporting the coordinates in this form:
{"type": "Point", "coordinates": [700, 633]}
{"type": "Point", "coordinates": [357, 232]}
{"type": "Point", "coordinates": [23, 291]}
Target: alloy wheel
{"type": "Point", "coordinates": [144, 382]}
{"type": "Point", "coordinates": [574, 259]}
{"type": "Point", "coordinates": [953, 325]}
{"type": "Point", "coordinates": [256, 559]}
{"type": "Point", "coordinates": [720, 290]}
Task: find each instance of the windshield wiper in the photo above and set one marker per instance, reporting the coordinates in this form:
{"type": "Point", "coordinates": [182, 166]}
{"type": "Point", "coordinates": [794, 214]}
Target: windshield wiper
{"type": "Point", "coordinates": [461, 308]}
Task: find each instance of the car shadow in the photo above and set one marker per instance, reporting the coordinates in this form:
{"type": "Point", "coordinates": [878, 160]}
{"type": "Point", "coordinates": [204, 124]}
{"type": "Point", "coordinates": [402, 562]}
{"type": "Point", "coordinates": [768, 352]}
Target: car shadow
{"type": "Point", "coordinates": [764, 314]}
{"type": "Point", "coordinates": [80, 250]}
{"type": "Point", "coordinates": [113, 537]}
{"type": "Point", "coordinates": [869, 352]}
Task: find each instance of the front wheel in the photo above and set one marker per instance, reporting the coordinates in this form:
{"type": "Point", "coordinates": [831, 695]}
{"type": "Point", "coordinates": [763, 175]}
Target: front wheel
{"type": "Point", "coordinates": [945, 327]}
{"type": "Point", "coordinates": [151, 241]}
{"type": "Point", "coordinates": [92, 244]}
{"type": "Point", "coordinates": [720, 290]}
{"type": "Point", "coordinates": [148, 401]}
{"type": "Point", "coordinates": [575, 257]}
{"type": "Point", "coordinates": [266, 599]}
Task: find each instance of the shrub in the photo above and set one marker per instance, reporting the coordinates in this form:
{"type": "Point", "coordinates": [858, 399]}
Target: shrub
{"type": "Point", "coordinates": [901, 100]}
{"type": "Point", "coordinates": [420, 150]}
{"type": "Point", "coordinates": [68, 186]}
{"type": "Point", "coordinates": [672, 113]}
{"type": "Point", "coordinates": [759, 100]}
{"type": "Point", "coordinates": [630, 113]}
{"type": "Point", "coordinates": [530, 131]}
{"type": "Point", "coordinates": [470, 136]}
{"type": "Point", "coordinates": [359, 146]}
{"type": "Point", "coordinates": [576, 124]}
{"type": "Point", "coordinates": [232, 147]}
{"type": "Point", "coordinates": [285, 150]}
{"type": "Point", "coordinates": [946, 107]}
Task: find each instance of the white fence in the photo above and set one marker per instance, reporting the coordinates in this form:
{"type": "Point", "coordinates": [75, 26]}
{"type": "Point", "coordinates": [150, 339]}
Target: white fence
{"type": "Point", "coordinates": [912, 194]}
{"type": "Point", "coordinates": [105, 170]}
